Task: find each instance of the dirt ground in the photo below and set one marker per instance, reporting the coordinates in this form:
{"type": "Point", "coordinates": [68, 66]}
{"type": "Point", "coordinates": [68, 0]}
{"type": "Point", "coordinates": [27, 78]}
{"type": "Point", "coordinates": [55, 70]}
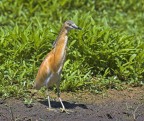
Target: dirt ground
{"type": "Point", "coordinates": [113, 105]}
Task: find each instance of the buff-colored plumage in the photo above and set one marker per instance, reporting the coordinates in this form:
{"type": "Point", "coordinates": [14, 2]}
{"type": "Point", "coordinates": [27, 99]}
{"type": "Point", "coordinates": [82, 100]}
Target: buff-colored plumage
{"type": "Point", "coordinates": [50, 69]}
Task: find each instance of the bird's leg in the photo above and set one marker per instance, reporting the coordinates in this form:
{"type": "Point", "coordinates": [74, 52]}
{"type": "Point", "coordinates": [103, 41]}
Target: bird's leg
{"type": "Point", "coordinates": [49, 104]}
{"type": "Point", "coordinates": [63, 107]}
{"type": "Point", "coordinates": [48, 98]}
{"type": "Point", "coordinates": [58, 90]}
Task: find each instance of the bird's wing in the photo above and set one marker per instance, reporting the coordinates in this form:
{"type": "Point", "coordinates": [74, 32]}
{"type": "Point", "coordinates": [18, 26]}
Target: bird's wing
{"type": "Point", "coordinates": [44, 71]}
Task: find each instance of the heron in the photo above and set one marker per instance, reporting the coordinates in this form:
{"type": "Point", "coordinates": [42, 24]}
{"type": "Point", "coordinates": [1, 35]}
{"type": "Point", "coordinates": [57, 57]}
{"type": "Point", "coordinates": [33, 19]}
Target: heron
{"type": "Point", "coordinates": [50, 70]}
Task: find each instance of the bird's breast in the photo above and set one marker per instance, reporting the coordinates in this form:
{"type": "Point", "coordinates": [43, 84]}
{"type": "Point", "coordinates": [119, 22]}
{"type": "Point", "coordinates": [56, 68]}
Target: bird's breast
{"type": "Point", "coordinates": [59, 54]}
{"type": "Point", "coordinates": [59, 58]}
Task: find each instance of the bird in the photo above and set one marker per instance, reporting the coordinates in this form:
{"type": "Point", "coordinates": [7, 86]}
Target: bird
{"type": "Point", "coordinates": [50, 70]}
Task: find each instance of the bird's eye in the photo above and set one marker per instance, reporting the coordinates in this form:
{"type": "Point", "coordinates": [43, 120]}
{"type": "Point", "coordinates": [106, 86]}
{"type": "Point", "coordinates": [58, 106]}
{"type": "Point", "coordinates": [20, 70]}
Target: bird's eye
{"type": "Point", "coordinates": [69, 24]}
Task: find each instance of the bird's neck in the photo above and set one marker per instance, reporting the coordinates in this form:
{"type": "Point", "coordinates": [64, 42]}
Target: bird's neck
{"type": "Point", "coordinates": [62, 37]}
{"type": "Point", "coordinates": [60, 50]}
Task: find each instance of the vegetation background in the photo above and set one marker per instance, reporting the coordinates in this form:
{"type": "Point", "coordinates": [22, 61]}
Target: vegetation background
{"type": "Point", "coordinates": [107, 53]}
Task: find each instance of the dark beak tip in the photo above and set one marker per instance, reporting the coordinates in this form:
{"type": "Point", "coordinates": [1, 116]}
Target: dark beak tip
{"type": "Point", "coordinates": [79, 28]}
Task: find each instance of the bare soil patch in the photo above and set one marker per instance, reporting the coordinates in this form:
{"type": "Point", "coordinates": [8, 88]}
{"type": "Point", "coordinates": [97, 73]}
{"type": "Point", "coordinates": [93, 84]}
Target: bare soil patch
{"type": "Point", "coordinates": [113, 105]}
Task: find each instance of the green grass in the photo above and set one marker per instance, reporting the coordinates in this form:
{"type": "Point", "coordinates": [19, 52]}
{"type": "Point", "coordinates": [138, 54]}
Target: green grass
{"type": "Point", "coordinates": [107, 53]}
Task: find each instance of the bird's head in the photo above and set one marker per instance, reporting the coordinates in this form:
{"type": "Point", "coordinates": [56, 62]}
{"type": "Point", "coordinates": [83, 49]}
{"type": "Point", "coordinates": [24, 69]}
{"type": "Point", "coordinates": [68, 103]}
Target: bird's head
{"type": "Point", "coordinates": [71, 25]}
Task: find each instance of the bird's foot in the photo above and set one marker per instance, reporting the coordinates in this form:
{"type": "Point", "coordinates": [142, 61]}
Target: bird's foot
{"type": "Point", "coordinates": [51, 109]}
{"type": "Point", "coordinates": [63, 110]}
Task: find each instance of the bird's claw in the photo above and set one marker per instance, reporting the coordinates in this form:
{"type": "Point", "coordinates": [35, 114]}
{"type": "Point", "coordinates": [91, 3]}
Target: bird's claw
{"type": "Point", "coordinates": [63, 110]}
{"type": "Point", "coordinates": [51, 109]}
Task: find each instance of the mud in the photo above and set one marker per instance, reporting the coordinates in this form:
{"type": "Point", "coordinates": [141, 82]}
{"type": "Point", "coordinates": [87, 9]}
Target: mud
{"type": "Point", "coordinates": [112, 105]}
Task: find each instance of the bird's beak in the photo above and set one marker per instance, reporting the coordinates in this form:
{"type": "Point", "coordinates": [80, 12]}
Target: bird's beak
{"type": "Point", "coordinates": [76, 27]}
{"type": "Point", "coordinates": [79, 28]}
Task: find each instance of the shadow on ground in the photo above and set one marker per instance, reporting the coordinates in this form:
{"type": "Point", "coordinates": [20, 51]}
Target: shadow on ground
{"type": "Point", "coordinates": [68, 105]}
